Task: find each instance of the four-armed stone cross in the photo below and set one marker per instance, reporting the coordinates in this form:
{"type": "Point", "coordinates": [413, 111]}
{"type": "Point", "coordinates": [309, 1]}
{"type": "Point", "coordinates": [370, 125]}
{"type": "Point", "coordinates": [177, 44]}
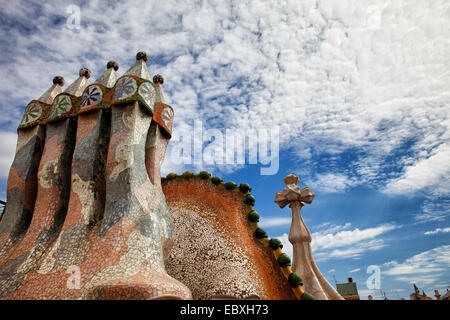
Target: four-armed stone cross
{"type": "Point", "coordinates": [303, 261]}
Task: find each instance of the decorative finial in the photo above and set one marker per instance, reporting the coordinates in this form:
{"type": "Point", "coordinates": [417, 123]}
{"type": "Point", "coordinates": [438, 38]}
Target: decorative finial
{"type": "Point", "coordinates": [80, 84]}
{"type": "Point", "coordinates": [292, 192]}
{"type": "Point", "coordinates": [139, 69]}
{"type": "Point", "coordinates": [85, 72]}
{"type": "Point", "coordinates": [53, 91]}
{"type": "Point", "coordinates": [112, 64]}
{"type": "Point", "coordinates": [291, 179]}
{"type": "Point", "coordinates": [303, 262]}
{"type": "Point", "coordinates": [158, 79]}
{"type": "Point", "coordinates": [142, 55]}
{"type": "Point", "coordinates": [109, 77]}
{"type": "Point", "coordinates": [58, 80]}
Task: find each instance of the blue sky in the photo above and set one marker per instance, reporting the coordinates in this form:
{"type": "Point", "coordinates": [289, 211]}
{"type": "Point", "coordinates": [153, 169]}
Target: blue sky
{"type": "Point", "coordinates": [359, 91]}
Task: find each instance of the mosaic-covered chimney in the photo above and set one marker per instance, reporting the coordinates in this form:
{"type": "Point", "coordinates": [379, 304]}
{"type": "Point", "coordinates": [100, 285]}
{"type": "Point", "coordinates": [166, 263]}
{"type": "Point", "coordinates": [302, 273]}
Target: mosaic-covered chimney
{"type": "Point", "coordinates": [85, 215]}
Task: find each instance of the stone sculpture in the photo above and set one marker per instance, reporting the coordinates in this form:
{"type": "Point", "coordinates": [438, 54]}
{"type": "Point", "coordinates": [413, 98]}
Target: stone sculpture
{"type": "Point", "coordinates": [303, 261]}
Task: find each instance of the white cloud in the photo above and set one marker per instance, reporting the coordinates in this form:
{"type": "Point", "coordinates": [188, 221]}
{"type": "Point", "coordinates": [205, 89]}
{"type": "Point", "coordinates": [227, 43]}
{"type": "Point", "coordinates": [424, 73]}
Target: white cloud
{"type": "Point", "coordinates": [331, 270]}
{"type": "Point", "coordinates": [324, 240]}
{"type": "Point", "coordinates": [327, 227]}
{"type": "Point", "coordinates": [354, 270]}
{"type": "Point", "coordinates": [332, 182]}
{"type": "Point", "coordinates": [338, 78]}
{"type": "Point", "coordinates": [333, 241]}
{"type": "Point", "coordinates": [424, 269]}
{"type": "Point", "coordinates": [354, 251]}
{"type": "Point", "coordinates": [433, 210]}
{"type": "Point", "coordinates": [431, 171]}
{"type": "Point", "coordinates": [421, 280]}
{"type": "Point", "coordinates": [275, 222]}
{"type": "Point", "coordinates": [287, 246]}
{"type": "Point", "coordinates": [7, 151]}
{"type": "Point", "coordinates": [437, 230]}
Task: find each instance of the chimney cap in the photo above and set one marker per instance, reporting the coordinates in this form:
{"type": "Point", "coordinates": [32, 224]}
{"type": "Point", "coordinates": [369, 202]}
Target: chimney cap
{"type": "Point", "coordinates": [112, 64]}
{"type": "Point", "coordinates": [142, 55]}
{"type": "Point", "coordinates": [85, 72]}
{"type": "Point", "coordinates": [58, 80]}
{"type": "Point", "coordinates": [158, 79]}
